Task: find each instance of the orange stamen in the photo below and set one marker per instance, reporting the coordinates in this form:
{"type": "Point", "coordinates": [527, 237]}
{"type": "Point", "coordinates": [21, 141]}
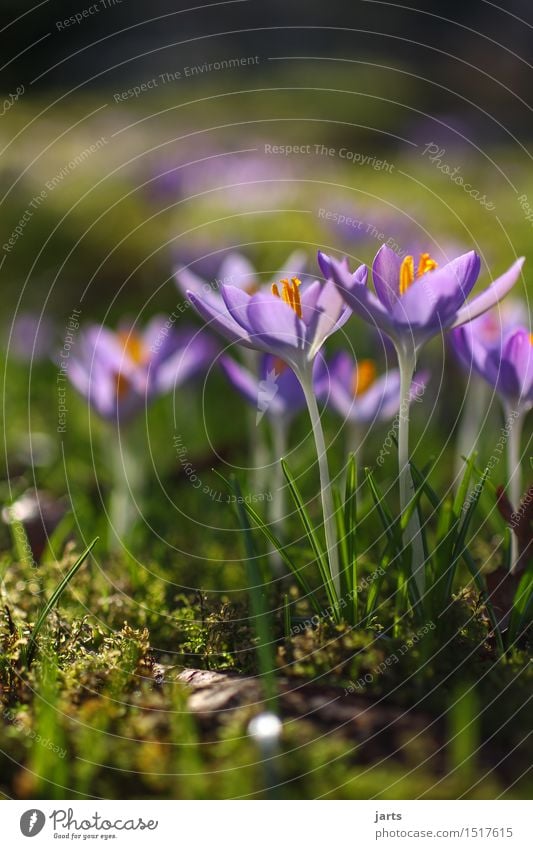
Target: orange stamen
{"type": "Point", "coordinates": [407, 274]}
{"type": "Point", "coordinates": [290, 294]}
{"type": "Point", "coordinates": [425, 264]}
{"type": "Point", "coordinates": [407, 270]}
{"type": "Point", "coordinates": [364, 376]}
{"type": "Point", "coordinates": [133, 345]}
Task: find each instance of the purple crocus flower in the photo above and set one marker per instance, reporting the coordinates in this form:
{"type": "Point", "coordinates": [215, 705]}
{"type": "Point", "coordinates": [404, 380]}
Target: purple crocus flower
{"type": "Point", "coordinates": [291, 322]}
{"type": "Point", "coordinates": [355, 391]}
{"type": "Point", "coordinates": [490, 332]}
{"type": "Point", "coordinates": [119, 372]}
{"type": "Point", "coordinates": [236, 270]}
{"type": "Point", "coordinates": [413, 304]}
{"type": "Point", "coordinates": [275, 392]}
{"type": "Point", "coordinates": [502, 354]}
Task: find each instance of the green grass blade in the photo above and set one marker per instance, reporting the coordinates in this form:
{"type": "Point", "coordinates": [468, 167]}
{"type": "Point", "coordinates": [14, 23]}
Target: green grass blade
{"type": "Point", "coordinates": [281, 549]}
{"type": "Point", "coordinates": [460, 542]}
{"type": "Point", "coordinates": [313, 538]}
{"type": "Point", "coordinates": [342, 545]}
{"type": "Point", "coordinates": [390, 525]}
{"type": "Point", "coordinates": [54, 598]}
{"type": "Point", "coordinates": [260, 612]}
{"type": "Point", "coordinates": [350, 526]}
{"type": "Point", "coordinates": [522, 606]}
{"type": "Point", "coordinates": [462, 492]}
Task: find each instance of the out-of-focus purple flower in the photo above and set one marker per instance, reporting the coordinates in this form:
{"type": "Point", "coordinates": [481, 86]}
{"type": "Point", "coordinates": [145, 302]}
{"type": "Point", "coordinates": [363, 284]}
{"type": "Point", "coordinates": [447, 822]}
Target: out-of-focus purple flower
{"type": "Point", "coordinates": [291, 321]}
{"type": "Point", "coordinates": [246, 179]}
{"type": "Point", "coordinates": [120, 372]}
{"type": "Point", "coordinates": [237, 270]}
{"type": "Point", "coordinates": [275, 392]}
{"type": "Point", "coordinates": [413, 303]}
{"type": "Point", "coordinates": [239, 179]}
{"type": "Point", "coordinates": [502, 353]}
{"type": "Point", "coordinates": [354, 390]}
{"type": "Point", "coordinates": [31, 337]}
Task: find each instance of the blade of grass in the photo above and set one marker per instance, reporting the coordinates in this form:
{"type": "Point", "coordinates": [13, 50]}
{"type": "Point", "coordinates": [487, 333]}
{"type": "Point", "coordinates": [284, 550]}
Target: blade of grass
{"type": "Point", "coordinates": [322, 562]}
{"type": "Point", "coordinates": [350, 525]}
{"type": "Point", "coordinates": [341, 536]}
{"type": "Point", "coordinates": [522, 606]}
{"type": "Point", "coordinates": [52, 601]}
{"type": "Point", "coordinates": [281, 549]}
{"type": "Point", "coordinates": [260, 612]}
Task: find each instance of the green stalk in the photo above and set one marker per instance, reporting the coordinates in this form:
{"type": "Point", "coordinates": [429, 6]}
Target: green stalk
{"type": "Point", "coordinates": [514, 470]}
{"type": "Point", "coordinates": [277, 512]}
{"type": "Point", "coordinates": [278, 426]}
{"type": "Point", "coordinates": [325, 482]}
{"type": "Point", "coordinates": [127, 460]}
{"type": "Point", "coordinates": [411, 536]}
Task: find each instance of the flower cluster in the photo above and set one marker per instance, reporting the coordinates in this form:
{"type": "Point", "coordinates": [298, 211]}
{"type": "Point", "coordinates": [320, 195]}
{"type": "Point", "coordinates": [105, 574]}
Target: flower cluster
{"type": "Point", "coordinates": [288, 319]}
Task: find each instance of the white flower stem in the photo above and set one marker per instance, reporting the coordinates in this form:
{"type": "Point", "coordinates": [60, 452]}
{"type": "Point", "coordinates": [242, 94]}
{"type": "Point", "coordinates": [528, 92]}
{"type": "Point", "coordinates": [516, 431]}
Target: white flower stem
{"type": "Point", "coordinates": [278, 426]}
{"type": "Point", "coordinates": [260, 455]}
{"type": "Point", "coordinates": [475, 408]}
{"type": "Point", "coordinates": [412, 535]}
{"type": "Point", "coordinates": [325, 483]}
{"type": "Point", "coordinates": [279, 430]}
{"type": "Point", "coordinates": [514, 423]}
{"type": "Point", "coordinates": [128, 471]}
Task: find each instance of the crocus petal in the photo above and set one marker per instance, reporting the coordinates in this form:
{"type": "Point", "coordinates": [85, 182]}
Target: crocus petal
{"type": "Point", "coordinates": [522, 357]}
{"type": "Point", "coordinates": [386, 276]}
{"type": "Point", "coordinates": [290, 389]}
{"type": "Point", "coordinates": [154, 331]}
{"type": "Point", "coordinates": [474, 353]}
{"type": "Point", "coordinates": [360, 299]}
{"type": "Point", "coordinates": [294, 266]}
{"type": "Point", "coordinates": [187, 280]}
{"type": "Point", "coordinates": [309, 298]}
{"type": "Point", "coordinates": [213, 311]}
{"type": "Point", "coordinates": [491, 296]}
{"type": "Point", "coordinates": [433, 299]}
{"type": "Point", "coordinates": [193, 357]}
{"type": "Point", "coordinates": [515, 377]}
{"type": "Point", "coordinates": [236, 301]}
{"type": "Point", "coordinates": [330, 308]}
{"type": "Point", "coordinates": [381, 400]}
{"type": "Point", "coordinates": [275, 328]}
{"type": "Point", "coordinates": [324, 263]}
{"type": "Point", "coordinates": [237, 271]}
{"type": "Point", "coordinates": [248, 385]}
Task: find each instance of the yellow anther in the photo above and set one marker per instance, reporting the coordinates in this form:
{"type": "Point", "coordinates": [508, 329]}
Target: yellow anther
{"type": "Point", "coordinates": [289, 294]}
{"type": "Point", "coordinates": [364, 376]}
{"type": "Point", "coordinates": [407, 270]}
{"type": "Point", "coordinates": [531, 338]}
{"type": "Point", "coordinates": [425, 264]}
{"type": "Point", "coordinates": [407, 274]}
{"type": "Point", "coordinates": [134, 346]}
